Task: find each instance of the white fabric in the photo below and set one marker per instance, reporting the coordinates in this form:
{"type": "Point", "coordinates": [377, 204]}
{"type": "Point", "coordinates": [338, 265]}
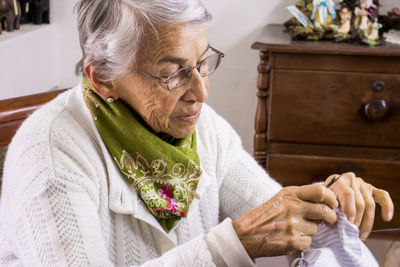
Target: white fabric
{"type": "Point", "coordinates": [336, 246]}
{"type": "Point", "coordinates": [392, 36]}
{"type": "Point", "coordinates": [64, 202]}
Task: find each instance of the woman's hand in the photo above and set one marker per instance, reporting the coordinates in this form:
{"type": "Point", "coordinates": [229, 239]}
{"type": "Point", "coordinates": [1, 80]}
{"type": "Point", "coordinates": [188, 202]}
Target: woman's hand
{"type": "Point", "coordinates": [357, 200]}
{"type": "Point", "coordinates": [285, 223]}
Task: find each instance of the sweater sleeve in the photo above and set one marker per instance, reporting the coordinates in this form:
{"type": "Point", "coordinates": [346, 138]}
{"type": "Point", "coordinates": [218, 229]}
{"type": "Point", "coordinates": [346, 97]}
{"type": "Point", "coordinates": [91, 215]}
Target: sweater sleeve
{"type": "Point", "coordinates": [244, 183]}
{"type": "Point", "coordinates": [61, 227]}
{"type": "Point", "coordinates": [220, 247]}
{"type": "Point", "coordinates": [56, 220]}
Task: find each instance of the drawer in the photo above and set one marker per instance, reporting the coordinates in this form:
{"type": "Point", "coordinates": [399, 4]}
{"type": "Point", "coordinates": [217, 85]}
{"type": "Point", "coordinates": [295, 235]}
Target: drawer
{"type": "Point", "coordinates": [299, 170]}
{"type": "Point", "coordinates": [334, 62]}
{"type": "Point", "coordinates": [303, 111]}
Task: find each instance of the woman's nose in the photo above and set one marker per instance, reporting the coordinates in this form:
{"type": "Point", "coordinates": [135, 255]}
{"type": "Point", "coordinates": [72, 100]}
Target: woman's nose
{"type": "Point", "coordinates": [198, 86]}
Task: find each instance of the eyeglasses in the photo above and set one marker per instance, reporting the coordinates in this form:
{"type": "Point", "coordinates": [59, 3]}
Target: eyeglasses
{"type": "Point", "coordinates": [182, 76]}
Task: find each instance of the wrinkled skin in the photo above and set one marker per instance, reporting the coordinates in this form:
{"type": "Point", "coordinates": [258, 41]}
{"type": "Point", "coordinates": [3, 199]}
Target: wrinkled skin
{"type": "Point", "coordinates": [357, 199]}
{"type": "Point", "coordinates": [284, 224]}
{"type": "Point", "coordinates": [167, 113]}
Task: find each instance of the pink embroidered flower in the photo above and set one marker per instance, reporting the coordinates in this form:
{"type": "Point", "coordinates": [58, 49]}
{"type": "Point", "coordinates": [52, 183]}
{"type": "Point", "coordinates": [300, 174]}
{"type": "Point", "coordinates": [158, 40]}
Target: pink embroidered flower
{"type": "Point", "coordinates": [172, 205]}
{"type": "Point", "coordinates": [166, 192]}
{"type": "Point", "coordinates": [182, 213]}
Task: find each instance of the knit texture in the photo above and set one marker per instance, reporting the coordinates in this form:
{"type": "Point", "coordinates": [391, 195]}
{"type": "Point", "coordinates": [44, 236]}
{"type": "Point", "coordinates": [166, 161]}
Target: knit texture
{"type": "Point", "coordinates": [58, 204]}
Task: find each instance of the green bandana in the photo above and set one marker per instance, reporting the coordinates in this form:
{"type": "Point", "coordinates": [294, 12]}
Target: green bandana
{"type": "Point", "coordinates": [164, 175]}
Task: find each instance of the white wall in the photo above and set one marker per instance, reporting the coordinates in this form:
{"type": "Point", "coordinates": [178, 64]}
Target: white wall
{"type": "Point", "coordinates": [68, 41]}
{"type": "Point", "coordinates": [36, 59]}
{"type": "Point", "coordinates": [235, 27]}
{"type": "Point", "coordinates": [233, 86]}
{"type": "Point", "coordinates": [27, 61]}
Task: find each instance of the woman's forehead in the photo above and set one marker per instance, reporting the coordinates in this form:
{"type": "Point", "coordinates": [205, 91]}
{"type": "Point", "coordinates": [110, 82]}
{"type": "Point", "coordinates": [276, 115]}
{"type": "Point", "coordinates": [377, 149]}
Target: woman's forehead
{"type": "Point", "coordinates": [178, 42]}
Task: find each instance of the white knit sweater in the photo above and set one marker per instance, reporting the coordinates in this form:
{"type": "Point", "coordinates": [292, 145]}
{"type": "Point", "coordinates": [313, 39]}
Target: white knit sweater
{"type": "Point", "coordinates": [65, 203]}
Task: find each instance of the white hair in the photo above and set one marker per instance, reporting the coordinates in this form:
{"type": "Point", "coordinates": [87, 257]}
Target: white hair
{"type": "Point", "coordinates": [110, 31]}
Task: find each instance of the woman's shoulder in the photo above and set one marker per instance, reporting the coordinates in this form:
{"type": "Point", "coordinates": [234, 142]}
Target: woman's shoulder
{"type": "Point", "coordinates": [28, 155]}
{"type": "Point", "coordinates": [36, 128]}
{"type": "Point", "coordinates": [47, 124]}
{"type": "Point", "coordinates": [52, 140]}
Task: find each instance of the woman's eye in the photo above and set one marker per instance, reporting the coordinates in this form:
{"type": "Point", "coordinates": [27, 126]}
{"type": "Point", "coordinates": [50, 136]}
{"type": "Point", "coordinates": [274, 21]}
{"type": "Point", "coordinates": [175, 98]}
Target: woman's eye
{"type": "Point", "coordinates": [165, 73]}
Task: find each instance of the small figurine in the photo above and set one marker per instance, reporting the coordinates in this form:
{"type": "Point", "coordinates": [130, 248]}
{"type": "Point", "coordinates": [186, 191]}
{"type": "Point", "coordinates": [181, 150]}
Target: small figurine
{"type": "Point", "coordinates": [40, 11]}
{"type": "Point", "coordinates": [10, 13]}
{"type": "Point", "coordinates": [26, 16]}
{"type": "Point", "coordinates": [299, 16]}
{"type": "Point", "coordinates": [342, 31]}
{"type": "Point", "coordinates": [36, 11]}
{"type": "Point", "coordinates": [299, 26]}
{"type": "Point", "coordinates": [361, 21]}
{"type": "Point", "coordinates": [345, 17]}
{"type": "Point", "coordinates": [374, 30]}
{"type": "Point", "coordinates": [372, 37]}
{"type": "Point", "coordinates": [372, 7]}
{"type": "Point", "coordinates": [323, 13]}
{"type": "Point", "coordinates": [394, 12]}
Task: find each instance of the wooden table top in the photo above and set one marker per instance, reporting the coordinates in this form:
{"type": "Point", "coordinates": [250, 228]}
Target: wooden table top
{"type": "Point", "coordinates": [273, 38]}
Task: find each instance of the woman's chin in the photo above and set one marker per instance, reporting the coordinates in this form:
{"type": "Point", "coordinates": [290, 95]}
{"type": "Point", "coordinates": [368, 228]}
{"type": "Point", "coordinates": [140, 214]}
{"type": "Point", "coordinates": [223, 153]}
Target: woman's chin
{"type": "Point", "coordinates": [182, 132]}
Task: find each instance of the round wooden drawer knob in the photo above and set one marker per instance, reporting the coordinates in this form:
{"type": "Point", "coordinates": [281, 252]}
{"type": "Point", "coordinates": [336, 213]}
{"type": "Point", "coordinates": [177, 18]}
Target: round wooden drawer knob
{"type": "Point", "coordinates": [378, 86]}
{"type": "Point", "coordinates": [376, 109]}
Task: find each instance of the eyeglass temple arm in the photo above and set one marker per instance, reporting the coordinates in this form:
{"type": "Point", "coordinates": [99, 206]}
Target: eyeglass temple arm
{"type": "Point", "coordinates": [150, 76]}
{"type": "Point", "coordinates": [217, 51]}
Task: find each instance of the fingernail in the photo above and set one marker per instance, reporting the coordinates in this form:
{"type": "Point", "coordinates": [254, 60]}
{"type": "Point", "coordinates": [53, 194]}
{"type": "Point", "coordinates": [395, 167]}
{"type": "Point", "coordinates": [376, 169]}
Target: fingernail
{"type": "Point", "coordinates": [390, 214]}
{"type": "Point", "coordinates": [364, 236]}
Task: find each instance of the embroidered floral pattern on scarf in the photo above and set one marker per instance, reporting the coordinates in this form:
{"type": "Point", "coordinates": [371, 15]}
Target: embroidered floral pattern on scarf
{"type": "Point", "coordinates": [165, 175]}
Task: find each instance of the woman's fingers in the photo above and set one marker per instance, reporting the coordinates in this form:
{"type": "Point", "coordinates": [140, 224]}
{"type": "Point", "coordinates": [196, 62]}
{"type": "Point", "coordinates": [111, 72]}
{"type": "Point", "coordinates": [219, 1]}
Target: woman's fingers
{"type": "Point", "coordinates": [360, 203]}
{"type": "Point", "coordinates": [306, 227]}
{"type": "Point", "coordinates": [317, 211]}
{"type": "Point", "coordinates": [382, 197]}
{"type": "Point", "coordinates": [357, 199]}
{"type": "Point", "coordinates": [317, 193]}
{"type": "Point", "coordinates": [369, 212]}
{"type": "Point", "coordinates": [300, 235]}
{"type": "Point", "coordinates": [300, 243]}
{"type": "Point", "coordinates": [286, 222]}
{"type": "Point", "coordinates": [346, 195]}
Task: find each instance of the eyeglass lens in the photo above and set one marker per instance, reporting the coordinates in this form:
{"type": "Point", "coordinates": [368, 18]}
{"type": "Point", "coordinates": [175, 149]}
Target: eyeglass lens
{"type": "Point", "coordinates": [205, 68]}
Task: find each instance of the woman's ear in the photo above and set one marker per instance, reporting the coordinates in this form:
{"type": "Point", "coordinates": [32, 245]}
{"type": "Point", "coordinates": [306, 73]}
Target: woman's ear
{"type": "Point", "coordinates": [102, 88]}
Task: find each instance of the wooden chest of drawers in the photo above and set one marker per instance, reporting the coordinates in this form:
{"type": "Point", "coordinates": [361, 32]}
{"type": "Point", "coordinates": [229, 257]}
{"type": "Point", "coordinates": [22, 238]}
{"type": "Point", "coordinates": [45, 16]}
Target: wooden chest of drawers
{"type": "Point", "coordinates": [327, 108]}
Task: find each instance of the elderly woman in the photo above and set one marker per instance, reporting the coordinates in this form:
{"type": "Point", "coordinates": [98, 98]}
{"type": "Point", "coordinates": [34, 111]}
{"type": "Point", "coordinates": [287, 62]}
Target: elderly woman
{"type": "Point", "coordinates": [131, 167]}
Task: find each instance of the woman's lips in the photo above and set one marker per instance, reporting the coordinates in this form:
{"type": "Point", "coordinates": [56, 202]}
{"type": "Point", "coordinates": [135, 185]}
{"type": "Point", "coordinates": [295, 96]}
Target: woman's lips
{"type": "Point", "coordinates": [191, 117]}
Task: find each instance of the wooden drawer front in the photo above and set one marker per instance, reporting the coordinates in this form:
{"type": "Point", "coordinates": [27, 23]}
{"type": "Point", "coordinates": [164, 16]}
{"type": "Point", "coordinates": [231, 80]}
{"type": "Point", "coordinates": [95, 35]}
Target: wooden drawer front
{"type": "Point", "coordinates": [331, 62]}
{"type": "Point", "coordinates": [302, 111]}
{"type": "Point", "coordinates": [300, 170]}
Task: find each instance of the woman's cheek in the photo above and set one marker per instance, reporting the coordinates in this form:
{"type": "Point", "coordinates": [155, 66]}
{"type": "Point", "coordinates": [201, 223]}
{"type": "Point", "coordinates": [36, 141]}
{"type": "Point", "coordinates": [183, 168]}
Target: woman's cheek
{"type": "Point", "coordinates": [155, 121]}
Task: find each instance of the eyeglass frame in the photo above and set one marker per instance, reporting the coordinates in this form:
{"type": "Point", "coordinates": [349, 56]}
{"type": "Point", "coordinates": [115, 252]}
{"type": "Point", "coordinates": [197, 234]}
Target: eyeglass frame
{"type": "Point", "coordinates": [197, 66]}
